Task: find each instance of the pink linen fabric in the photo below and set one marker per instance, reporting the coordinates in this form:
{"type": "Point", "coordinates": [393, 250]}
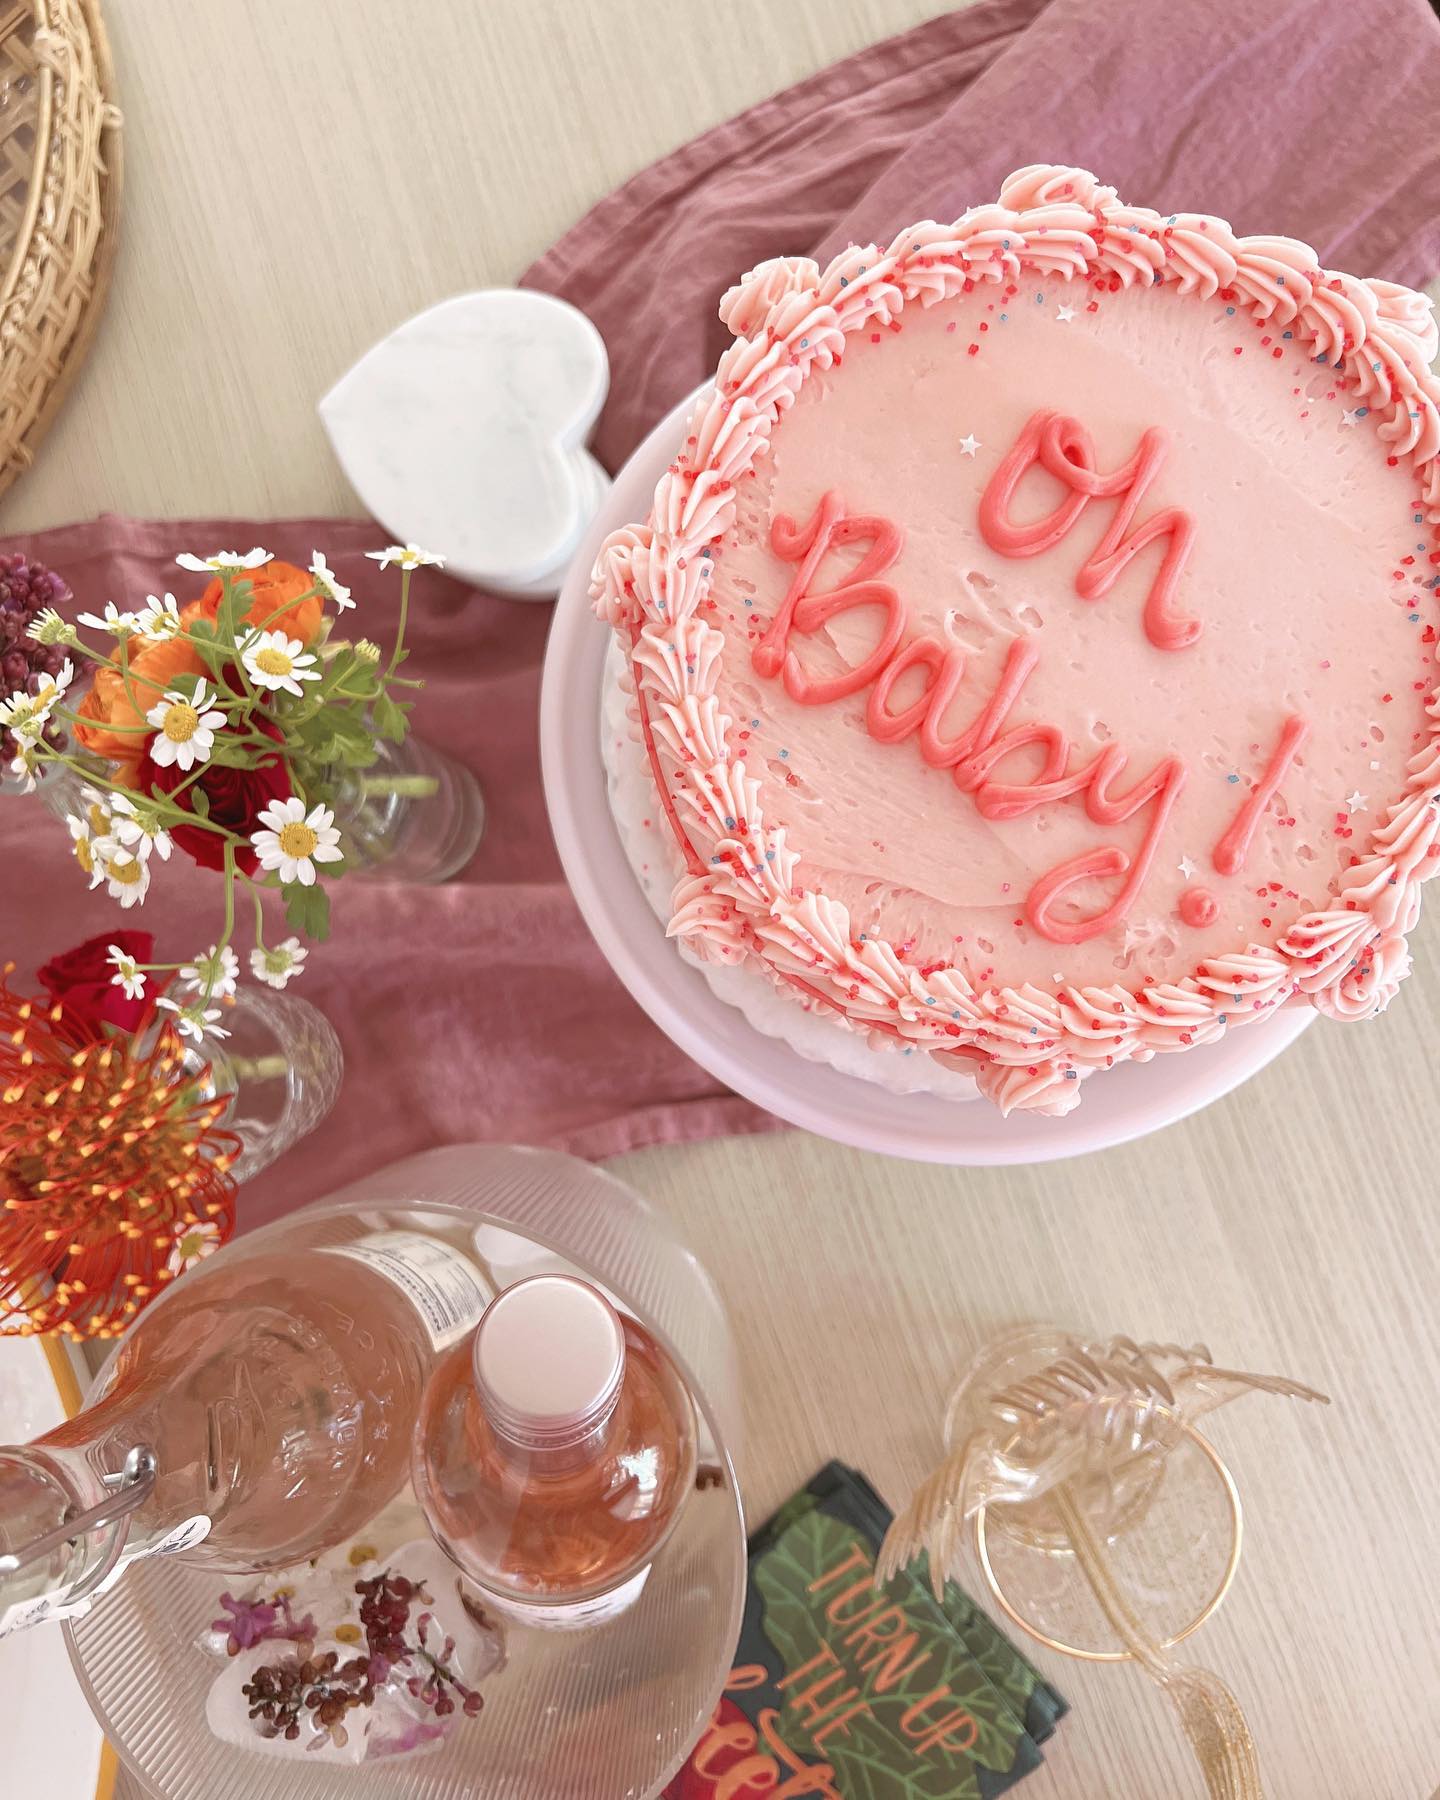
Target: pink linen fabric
{"type": "Point", "coordinates": [482, 1009]}
{"type": "Point", "coordinates": [1303, 117]}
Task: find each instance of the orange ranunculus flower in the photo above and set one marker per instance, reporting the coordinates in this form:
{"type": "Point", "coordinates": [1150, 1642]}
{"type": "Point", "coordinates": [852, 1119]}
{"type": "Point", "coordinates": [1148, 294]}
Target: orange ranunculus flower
{"type": "Point", "coordinates": [275, 585]}
{"type": "Point", "coordinates": [107, 709]}
{"type": "Point", "coordinates": [154, 663]}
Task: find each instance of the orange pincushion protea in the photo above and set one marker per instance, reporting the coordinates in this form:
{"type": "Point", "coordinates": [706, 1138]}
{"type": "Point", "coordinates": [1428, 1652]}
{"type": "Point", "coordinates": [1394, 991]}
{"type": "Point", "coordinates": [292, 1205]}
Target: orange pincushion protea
{"type": "Point", "coordinates": [109, 1154]}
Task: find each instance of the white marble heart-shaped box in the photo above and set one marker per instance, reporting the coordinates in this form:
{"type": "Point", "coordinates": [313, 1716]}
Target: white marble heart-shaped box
{"type": "Point", "coordinates": [464, 430]}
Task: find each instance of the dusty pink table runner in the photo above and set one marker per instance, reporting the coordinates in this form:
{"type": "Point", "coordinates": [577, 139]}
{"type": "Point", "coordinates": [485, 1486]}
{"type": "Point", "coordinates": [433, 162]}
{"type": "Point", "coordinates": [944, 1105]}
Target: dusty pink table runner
{"type": "Point", "coordinates": [482, 1010]}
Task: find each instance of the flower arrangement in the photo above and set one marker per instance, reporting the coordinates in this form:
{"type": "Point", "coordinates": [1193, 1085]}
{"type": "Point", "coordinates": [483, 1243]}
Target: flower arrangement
{"type": "Point", "coordinates": [226, 728]}
{"type": "Point", "coordinates": [114, 1169]}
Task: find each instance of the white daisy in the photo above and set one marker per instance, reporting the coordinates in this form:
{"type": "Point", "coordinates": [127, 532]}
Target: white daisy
{"type": "Point", "coordinates": [26, 715]}
{"type": "Point", "coordinates": [223, 559]}
{"type": "Point", "coordinates": [128, 976]}
{"type": "Point", "coordinates": [138, 828]}
{"type": "Point", "coordinates": [409, 556]}
{"type": "Point", "coordinates": [325, 580]}
{"type": "Point", "coordinates": [213, 973]}
{"type": "Point", "coordinates": [47, 627]}
{"type": "Point", "coordinates": [127, 876]}
{"type": "Point", "coordinates": [159, 618]}
{"type": "Point", "coordinates": [184, 730]}
{"type": "Point", "coordinates": [277, 662]}
{"type": "Point", "coordinates": [87, 831]}
{"type": "Point", "coordinates": [295, 841]}
{"type": "Point", "coordinates": [24, 769]}
{"type": "Point", "coordinates": [193, 1243]}
{"type": "Point", "coordinates": [279, 963]}
{"type": "Point", "coordinates": [196, 1020]}
{"type": "Point", "coordinates": [118, 624]}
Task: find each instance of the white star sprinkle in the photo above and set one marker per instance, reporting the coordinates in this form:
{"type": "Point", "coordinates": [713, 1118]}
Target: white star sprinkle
{"type": "Point", "coordinates": [1348, 418]}
{"type": "Point", "coordinates": [969, 445]}
{"type": "Point", "coordinates": [1355, 801]}
{"type": "Point", "coordinates": [1186, 867]}
{"type": "Point", "coordinates": [1064, 314]}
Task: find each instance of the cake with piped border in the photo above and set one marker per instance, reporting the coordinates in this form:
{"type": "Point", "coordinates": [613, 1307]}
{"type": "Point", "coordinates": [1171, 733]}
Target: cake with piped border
{"type": "Point", "coordinates": [1033, 637]}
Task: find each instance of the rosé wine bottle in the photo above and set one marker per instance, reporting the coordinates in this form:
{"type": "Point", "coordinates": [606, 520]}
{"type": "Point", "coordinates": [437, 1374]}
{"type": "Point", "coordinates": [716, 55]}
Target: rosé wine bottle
{"type": "Point", "coordinates": [554, 1450]}
{"type": "Point", "coordinates": [260, 1413]}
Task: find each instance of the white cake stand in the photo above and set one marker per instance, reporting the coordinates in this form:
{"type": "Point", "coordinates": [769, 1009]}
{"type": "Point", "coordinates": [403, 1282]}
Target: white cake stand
{"type": "Point", "coordinates": [1119, 1104]}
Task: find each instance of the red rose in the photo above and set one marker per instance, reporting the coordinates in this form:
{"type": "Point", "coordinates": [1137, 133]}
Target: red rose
{"type": "Point", "coordinates": [80, 980]}
{"type": "Point", "coordinates": [237, 798]}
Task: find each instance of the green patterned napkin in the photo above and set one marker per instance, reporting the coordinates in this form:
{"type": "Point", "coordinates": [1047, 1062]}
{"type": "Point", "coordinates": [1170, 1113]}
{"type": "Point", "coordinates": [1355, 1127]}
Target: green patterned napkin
{"type": "Point", "coordinates": [842, 1689]}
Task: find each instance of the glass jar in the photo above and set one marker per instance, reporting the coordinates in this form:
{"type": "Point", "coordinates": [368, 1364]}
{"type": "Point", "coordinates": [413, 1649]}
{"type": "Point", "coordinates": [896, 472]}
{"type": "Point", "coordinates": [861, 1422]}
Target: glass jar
{"type": "Point", "coordinates": [415, 815]}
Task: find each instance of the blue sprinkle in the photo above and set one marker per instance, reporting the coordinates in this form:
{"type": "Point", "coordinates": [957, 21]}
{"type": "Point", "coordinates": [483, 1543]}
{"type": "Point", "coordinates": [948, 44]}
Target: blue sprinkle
{"type": "Point", "coordinates": [729, 824]}
{"type": "Point", "coordinates": [844, 281]}
{"type": "Point", "coordinates": [784, 753]}
{"type": "Point", "coordinates": [1322, 360]}
{"type": "Point", "coordinates": [769, 856]}
{"type": "Point", "coordinates": [929, 999]}
{"type": "Point", "coordinates": [1070, 1075]}
{"type": "Point", "coordinates": [1039, 299]}
{"type": "Point", "coordinates": [1287, 334]}
{"type": "Point", "coordinates": [1004, 317]}
{"type": "Point", "coordinates": [1220, 1018]}
{"type": "Point", "coordinates": [1230, 310]}
{"type": "Point", "coordinates": [754, 724]}
{"type": "Point", "coordinates": [1414, 618]}
{"type": "Point", "coordinates": [804, 342]}
{"type": "Point", "coordinates": [861, 937]}
{"type": "Point", "coordinates": [749, 602]}
{"type": "Point", "coordinates": [955, 1015]}
{"type": "Point", "coordinates": [1232, 778]}
{"type": "Point", "coordinates": [1280, 282]}
{"type": "Point", "coordinates": [1362, 412]}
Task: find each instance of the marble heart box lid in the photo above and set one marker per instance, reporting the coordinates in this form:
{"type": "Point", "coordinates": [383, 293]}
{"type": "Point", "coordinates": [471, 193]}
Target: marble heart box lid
{"type": "Point", "coordinates": [1033, 636]}
{"type": "Point", "coordinates": [464, 430]}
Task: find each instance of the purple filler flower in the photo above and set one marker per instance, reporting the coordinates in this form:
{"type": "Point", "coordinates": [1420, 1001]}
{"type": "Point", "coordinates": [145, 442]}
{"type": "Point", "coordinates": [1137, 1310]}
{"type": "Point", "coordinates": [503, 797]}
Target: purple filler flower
{"type": "Point", "coordinates": [255, 1621]}
{"type": "Point", "coordinates": [26, 589]}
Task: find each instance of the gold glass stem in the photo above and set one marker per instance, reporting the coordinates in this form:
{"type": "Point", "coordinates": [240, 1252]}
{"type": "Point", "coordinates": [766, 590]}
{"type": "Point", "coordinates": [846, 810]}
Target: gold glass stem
{"type": "Point", "coordinates": [1209, 1713]}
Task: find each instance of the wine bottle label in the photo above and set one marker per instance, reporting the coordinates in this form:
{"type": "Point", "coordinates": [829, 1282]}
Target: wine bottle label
{"type": "Point", "coordinates": [439, 1281]}
{"type": "Point", "coordinates": [41, 1607]}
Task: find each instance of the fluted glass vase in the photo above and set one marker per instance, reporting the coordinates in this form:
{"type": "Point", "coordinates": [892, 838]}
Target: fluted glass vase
{"type": "Point", "coordinates": [416, 815]}
{"type": "Point", "coordinates": [281, 1063]}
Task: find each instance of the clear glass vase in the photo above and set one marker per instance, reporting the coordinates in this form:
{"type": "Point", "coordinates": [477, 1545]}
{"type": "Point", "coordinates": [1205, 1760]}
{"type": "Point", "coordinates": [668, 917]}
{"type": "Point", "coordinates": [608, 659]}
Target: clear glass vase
{"type": "Point", "coordinates": [415, 816]}
{"type": "Point", "coordinates": [282, 1062]}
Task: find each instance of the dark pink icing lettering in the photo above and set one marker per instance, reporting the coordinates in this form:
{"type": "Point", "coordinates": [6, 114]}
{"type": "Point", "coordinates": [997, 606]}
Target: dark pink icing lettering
{"type": "Point", "coordinates": [978, 751]}
{"type": "Point", "coordinates": [1199, 907]}
{"type": "Point", "coordinates": [1162, 785]}
{"type": "Point", "coordinates": [807, 611]}
{"type": "Point", "coordinates": [1065, 449]}
{"type": "Point", "coordinates": [1230, 853]}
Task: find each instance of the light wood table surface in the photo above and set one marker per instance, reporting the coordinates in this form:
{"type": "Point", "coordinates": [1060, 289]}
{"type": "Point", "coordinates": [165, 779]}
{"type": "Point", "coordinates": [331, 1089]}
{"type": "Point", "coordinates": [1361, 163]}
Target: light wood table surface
{"type": "Point", "coordinates": [301, 175]}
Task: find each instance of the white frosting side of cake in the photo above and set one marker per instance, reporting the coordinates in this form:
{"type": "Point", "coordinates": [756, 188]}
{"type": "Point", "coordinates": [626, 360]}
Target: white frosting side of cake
{"type": "Point", "coordinates": [653, 857]}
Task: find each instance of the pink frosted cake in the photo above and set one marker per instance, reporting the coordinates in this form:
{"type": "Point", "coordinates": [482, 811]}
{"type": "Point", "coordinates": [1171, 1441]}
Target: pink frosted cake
{"type": "Point", "coordinates": [1033, 636]}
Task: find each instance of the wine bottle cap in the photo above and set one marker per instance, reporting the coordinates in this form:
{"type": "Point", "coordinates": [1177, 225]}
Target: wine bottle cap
{"type": "Point", "coordinates": [549, 1359]}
